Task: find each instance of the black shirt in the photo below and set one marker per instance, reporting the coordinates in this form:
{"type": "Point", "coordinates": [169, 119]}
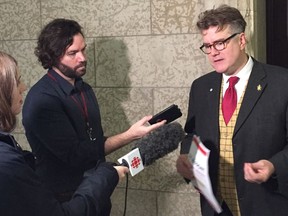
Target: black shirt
{"type": "Point", "coordinates": [55, 117]}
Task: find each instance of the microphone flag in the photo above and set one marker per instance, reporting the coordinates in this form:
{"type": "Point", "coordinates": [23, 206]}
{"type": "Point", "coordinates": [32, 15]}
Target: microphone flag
{"type": "Point", "coordinates": [133, 160]}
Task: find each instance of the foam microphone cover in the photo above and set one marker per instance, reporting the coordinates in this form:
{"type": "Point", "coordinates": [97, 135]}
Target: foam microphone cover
{"type": "Point", "coordinates": [160, 142]}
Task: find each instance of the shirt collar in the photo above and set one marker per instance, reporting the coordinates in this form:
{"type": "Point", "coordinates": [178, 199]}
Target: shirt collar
{"type": "Point", "coordinates": [7, 138]}
{"type": "Point", "coordinates": [64, 84]}
{"type": "Point", "coordinates": [244, 73]}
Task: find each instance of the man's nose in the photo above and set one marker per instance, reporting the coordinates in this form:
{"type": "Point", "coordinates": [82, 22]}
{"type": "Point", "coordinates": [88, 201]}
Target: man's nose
{"type": "Point", "coordinates": [82, 57]}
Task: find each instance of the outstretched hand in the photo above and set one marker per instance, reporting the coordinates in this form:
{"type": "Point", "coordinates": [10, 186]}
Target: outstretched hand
{"type": "Point", "coordinates": [136, 131]}
{"type": "Point", "coordinates": [141, 127]}
{"type": "Point", "coordinates": [259, 171]}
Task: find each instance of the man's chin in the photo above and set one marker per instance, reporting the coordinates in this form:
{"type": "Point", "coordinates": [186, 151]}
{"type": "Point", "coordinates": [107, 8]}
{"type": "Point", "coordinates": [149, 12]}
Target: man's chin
{"type": "Point", "coordinates": [81, 73]}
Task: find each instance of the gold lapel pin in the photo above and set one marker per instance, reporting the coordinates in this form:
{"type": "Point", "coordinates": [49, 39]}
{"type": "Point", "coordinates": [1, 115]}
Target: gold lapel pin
{"type": "Point", "coordinates": [259, 87]}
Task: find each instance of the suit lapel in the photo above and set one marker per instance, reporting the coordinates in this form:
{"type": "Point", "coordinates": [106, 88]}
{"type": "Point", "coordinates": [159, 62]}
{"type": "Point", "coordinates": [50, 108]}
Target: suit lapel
{"type": "Point", "coordinates": [213, 101]}
{"type": "Point", "coordinates": [255, 87]}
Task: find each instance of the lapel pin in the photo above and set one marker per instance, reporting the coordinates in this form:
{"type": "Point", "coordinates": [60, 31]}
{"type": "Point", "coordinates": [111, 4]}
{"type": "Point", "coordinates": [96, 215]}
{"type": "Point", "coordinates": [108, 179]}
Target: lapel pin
{"type": "Point", "coordinates": [259, 87]}
{"type": "Point", "coordinates": [211, 89]}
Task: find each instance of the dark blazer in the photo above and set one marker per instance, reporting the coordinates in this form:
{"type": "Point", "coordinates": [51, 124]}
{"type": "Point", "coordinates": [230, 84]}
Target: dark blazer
{"type": "Point", "coordinates": [260, 133]}
{"type": "Point", "coordinates": [22, 193]}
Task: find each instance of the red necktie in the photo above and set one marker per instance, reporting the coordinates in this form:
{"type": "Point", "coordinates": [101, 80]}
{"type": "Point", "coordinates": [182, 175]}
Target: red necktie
{"type": "Point", "coordinates": [229, 102]}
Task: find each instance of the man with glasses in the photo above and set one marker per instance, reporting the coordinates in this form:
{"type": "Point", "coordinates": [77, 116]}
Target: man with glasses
{"type": "Point", "coordinates": [240, 112]}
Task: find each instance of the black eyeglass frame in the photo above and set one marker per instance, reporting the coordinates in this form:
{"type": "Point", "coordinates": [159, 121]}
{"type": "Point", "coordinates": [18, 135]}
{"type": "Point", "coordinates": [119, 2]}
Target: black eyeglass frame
{"type": "Point", "coordinates": [217, 42]}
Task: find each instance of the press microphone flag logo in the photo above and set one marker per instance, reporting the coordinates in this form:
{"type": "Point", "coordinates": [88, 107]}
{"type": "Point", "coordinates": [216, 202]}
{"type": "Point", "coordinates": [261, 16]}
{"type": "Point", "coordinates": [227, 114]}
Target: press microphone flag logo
{"type": "Point", "coordinates": [134, 161]}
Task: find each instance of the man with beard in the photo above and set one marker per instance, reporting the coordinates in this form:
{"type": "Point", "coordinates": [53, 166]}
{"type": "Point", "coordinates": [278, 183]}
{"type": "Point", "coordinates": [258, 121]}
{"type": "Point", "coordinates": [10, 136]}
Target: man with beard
{"type": "Point", "coordinates": [61, 115]}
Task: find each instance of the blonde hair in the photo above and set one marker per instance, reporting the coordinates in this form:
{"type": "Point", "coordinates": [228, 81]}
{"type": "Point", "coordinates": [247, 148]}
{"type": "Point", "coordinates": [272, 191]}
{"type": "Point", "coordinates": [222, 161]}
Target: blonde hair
{"type": "Point", "coordinates": [8, 73]}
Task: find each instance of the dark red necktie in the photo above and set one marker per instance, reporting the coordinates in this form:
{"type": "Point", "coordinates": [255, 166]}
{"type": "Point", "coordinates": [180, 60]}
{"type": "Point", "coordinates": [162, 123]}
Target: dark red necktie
{"type": "Point", "coordinates": [229, 102]}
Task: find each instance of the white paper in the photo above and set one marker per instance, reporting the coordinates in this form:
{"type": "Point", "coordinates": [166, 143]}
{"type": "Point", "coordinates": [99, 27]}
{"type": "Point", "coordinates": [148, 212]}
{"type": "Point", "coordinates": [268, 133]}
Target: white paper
{"type": "Point", "coordinates": [199, 157]}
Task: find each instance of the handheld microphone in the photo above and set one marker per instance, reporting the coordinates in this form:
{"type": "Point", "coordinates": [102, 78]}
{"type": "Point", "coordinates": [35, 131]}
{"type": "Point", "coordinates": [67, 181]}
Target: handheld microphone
{"type": "Point", "coordinates": [153, 146]}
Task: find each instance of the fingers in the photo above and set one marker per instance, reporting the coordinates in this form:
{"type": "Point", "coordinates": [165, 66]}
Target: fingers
{"type": "Point", "coordinates": [145, 119]}
{"type": "Point", "coordinates": [249, 174]}
{"type": "Point", "coordinates": [258, 172]}
{"type": "Point", "coordinates": [140, 128]}
{"type": "Point", "coordinates": [184, 167]}
{"type": "Point", "coordinates": [122, 171]}
{"type": "Point", "coordinates": [184, 159]}
{"type": "Point", "coordinates": [156, 125]}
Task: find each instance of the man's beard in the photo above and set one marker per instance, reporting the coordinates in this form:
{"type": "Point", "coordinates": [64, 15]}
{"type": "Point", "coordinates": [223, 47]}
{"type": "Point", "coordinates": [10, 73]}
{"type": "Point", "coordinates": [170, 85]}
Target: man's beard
{"type": "Point", "coordinates": [72, 72]}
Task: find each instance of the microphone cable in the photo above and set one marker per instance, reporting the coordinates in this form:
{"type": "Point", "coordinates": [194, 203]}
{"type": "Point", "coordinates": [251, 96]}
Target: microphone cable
{"type": "Point", "coordinates": [126, 195]}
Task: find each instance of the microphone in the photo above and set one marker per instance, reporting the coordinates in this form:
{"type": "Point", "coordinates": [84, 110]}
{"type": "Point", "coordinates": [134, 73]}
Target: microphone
{"type": "Point", "coordinates": [153, 146]}
{"type": "Point", "coordinates": [160, 142]}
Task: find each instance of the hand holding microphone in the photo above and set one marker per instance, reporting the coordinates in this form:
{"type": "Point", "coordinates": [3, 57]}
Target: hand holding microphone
{"type": "Point", "coordinates": [122, 171]}
{"type": "Point", "coordinates": [153, 146]}
{"type": "Point", "coordinates": [157, 143]}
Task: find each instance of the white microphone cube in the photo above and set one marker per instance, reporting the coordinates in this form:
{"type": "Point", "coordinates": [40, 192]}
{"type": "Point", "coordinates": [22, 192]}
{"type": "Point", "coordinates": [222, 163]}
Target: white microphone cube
{"type": "Point", "coordinates": [133, 160]}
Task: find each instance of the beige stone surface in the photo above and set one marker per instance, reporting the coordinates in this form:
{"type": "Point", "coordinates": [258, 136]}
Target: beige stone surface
{"type": "Point", "coordinates": [143, 56]}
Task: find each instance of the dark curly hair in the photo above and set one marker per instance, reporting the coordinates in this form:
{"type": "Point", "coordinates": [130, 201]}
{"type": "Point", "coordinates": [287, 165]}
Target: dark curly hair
{"type": "Point", "coordinates": [54, 39]}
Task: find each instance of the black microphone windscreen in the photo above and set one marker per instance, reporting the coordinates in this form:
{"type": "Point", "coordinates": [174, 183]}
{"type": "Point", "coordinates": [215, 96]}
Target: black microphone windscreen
{"type": "Point", "coordinates": [160, 142]}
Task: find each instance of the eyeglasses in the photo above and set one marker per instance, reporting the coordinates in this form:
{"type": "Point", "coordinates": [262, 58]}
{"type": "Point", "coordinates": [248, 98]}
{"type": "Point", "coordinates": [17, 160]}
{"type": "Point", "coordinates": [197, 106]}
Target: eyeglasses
{"type": "Point", "coordinates": [218, 45]}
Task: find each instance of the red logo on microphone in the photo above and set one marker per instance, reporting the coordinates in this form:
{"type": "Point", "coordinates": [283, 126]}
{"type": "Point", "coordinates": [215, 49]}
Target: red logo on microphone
{"type": "Point", "coordinates": [135, 162]}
